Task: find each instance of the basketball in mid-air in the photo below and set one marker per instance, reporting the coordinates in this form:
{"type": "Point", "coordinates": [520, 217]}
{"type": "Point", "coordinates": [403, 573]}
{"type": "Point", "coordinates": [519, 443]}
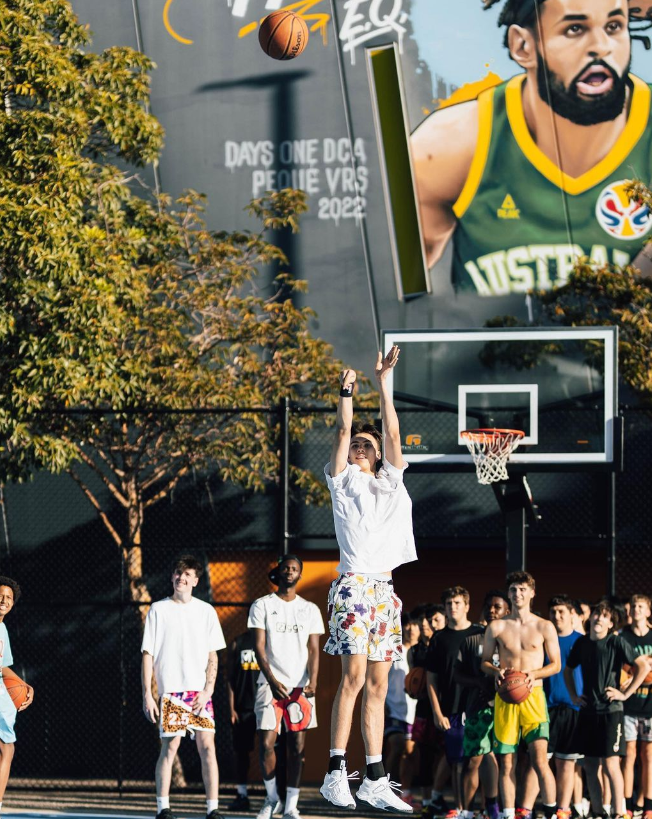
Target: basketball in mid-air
{"type": "Point", "coordinates": [18, 690]}
{"type": "Point", "coordinates": [283, 35]}
{"type": "Point", "coordinates": [514, 688]}
{"type": "Point", "coordinates": [415, 682]}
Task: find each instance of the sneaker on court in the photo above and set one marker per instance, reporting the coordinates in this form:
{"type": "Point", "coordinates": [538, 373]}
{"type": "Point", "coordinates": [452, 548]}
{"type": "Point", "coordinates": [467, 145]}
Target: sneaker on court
{"type": "Point", "coordinates": [240, 803]}
{"type": "Point", "coordinates": [637, 813]}
{"type": "Point", "coordinates": [523, 813]}
{"type": "Point", "coordinates": [453, 813]}
{"type": "Point", "coordinates": [166, 813]}
{"type": "Point", "coordinates": [563, 814]}
{"type": "Point", "coordinates": [214, 814]}
{"type": "Point", "coordinates": [647, 814]}
{"type": "Point", "coordinates": [439, 806]}
{"type": "Point", "coordinates": [336, 788]}
{"type": "Point", "coordinates": [269, 808]}
{"type": "Point", "coordinates": [292, 814]}
{"type": "Point", "coordinates": [380, 793]}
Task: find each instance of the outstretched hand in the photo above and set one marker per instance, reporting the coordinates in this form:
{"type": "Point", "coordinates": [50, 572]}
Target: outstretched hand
{"type": "Point", "coordinates": [347, 377]}
{"type": "Point", "coordinates": [384, 365]}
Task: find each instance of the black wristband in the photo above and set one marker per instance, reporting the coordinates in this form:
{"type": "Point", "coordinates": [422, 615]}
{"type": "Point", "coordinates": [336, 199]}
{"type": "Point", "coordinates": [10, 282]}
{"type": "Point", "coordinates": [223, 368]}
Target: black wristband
{"type": "Point", "coordinates": [346, 392]}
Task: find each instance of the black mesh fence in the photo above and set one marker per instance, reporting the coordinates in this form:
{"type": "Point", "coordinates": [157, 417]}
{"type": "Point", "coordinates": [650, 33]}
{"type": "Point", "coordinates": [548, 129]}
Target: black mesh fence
{"type": "Point", "coordinates": [76, 633]}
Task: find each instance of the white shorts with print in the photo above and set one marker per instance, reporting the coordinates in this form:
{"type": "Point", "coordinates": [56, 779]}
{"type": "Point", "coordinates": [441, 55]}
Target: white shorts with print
{"type": "Point", "coordinates": [638, 728]}
{"type": "Point", "coordinates": [364, 617]}
{"type": "Point", "coordinates": [297, 712]}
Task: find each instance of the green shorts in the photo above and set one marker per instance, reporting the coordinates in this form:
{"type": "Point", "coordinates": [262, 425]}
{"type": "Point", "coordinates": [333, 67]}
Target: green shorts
{"type": "Point", "coordinates": [478, 733]}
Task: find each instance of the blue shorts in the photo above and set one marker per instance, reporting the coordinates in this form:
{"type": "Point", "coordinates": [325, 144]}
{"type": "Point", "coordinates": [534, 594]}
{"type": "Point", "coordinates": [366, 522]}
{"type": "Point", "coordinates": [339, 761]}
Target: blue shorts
{"type": "Point", "coordinates": [454, 739]}
{"type": "Point", "coordinates": [7, 717]}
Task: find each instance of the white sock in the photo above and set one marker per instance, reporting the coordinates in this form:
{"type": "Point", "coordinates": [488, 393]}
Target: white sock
{"type": "Point", "coordinates": [242, 790]}
{"type": "Point", "coordinates": [291, 799]}
{"type": "Point", "coordinates": [606, 809]}
{"type": "Point", "coordinates": [375, 758]}
{"type": "Point", "coordinates": [211, 804]}
{"type": "Point", "coordinates": [162, 802]}
{"type": "Point", "coordinates": [509, 813]}
{"type": "Point", "coordinates": [467, 814]}
{"type": "Point", "coordinates": [337, 752]}
{"type": "Point", "coordinates": [579, 807]}
{"type": "Point", "coordinates": [270, 787]}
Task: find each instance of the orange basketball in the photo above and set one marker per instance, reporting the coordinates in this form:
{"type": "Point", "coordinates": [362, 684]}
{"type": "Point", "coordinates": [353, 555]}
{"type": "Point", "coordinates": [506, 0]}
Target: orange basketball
{"type": "Point", "coordinates": [17, 689]}
{"type": "Point", "coordinates": [283, 35]}
{"type": "Point", "coordinates": [630, 673]}
{"type": "Point", "coordinates": [514, 688]}
{"type": "Point", "coordinates": [415, 683]}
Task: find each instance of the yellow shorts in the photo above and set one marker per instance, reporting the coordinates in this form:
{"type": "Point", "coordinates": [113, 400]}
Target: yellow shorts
{"type": "Point", "coordinates": [529, 720]}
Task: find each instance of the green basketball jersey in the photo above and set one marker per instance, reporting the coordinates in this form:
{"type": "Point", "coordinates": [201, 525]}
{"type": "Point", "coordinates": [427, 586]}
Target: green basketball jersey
{"type": "Point", "coordinates": [523, 222]}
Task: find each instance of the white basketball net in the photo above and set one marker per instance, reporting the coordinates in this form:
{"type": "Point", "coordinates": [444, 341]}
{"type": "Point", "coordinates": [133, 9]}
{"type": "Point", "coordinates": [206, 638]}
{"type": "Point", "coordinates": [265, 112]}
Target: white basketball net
{"type": "Point", "coordinates": [491, 449]}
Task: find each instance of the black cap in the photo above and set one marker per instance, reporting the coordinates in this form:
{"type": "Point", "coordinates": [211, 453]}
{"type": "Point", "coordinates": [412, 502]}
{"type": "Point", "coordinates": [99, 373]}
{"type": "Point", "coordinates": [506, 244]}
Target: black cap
{"type": "Point", "coordinates": [273, 575]}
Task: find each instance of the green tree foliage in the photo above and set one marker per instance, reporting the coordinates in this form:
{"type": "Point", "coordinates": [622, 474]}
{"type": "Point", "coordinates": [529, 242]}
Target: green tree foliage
{"type": "Point", "coordinates": [119, 311]}
{"type": "Point", "coordinates": [609, 295]}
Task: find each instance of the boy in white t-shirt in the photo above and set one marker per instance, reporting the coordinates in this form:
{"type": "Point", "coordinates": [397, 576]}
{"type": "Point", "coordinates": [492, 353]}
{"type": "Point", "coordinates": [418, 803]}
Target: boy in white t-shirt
{"type": "Point", "coordinates": [286, 631]}
{"type": "Point", "coordinates": [180, 643]}
{"type": "Point", "coordinates": [373, 525]}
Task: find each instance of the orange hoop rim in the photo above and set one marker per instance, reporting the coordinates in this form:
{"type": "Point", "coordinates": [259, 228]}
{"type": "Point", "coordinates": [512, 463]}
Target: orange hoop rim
{"type": "Point", "coordinates": [491, 434]}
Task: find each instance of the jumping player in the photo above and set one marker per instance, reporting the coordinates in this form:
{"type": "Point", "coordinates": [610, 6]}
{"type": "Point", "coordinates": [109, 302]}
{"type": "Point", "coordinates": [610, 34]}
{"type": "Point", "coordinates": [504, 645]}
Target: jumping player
{"type": "Point", "coordinates": [180, 643]}
{"type": "Point", "coordinates": [286, 630]}
{"type": "Point", "coordinates": [524, 642]}
{"type": "Point", "coordinates": [506, 173]}
{"type": "Point", "coordinates": [373, 525]}
{"type": "Point", "coordinates": [9, 595]}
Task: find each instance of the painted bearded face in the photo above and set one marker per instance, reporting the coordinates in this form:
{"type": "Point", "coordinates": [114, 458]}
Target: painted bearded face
{"type": "Point", "coordinates": [584, 55]}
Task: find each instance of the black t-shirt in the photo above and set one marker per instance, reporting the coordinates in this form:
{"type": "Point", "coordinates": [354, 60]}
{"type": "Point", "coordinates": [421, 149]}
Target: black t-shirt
{"type": "Point", "coordinates": [442, 656]}
{"type": "Point", "coordinates": [244, 673]}
{"type": "Point", "coordinates": [469, 661]}
{"type": "Point", "coordinates": [601, 662]}
{"type": "Point", "coordinates": [417, 659]}
{"type": "Point", "coordinates": [640, 703]}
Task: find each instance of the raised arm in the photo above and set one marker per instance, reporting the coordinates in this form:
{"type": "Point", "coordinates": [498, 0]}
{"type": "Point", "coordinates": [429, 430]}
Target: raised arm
{"type": "Point", "coordinates": [392, 452]}
{"type": "Point", "coordinates": [340, 450]}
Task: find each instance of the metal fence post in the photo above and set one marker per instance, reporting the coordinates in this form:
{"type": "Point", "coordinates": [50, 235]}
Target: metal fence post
{"type": "Point", "coordinates": [284, 477]}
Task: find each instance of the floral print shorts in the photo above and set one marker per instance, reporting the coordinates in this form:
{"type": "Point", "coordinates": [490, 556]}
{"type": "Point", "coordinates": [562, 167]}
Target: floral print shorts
{"type": "Point", "coordinates": [364, 617]}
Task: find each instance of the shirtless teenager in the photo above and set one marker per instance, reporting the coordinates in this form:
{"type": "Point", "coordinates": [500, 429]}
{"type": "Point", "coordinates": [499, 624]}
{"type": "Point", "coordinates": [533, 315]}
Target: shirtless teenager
{"type": "Point", "coordinates": [523, 641]}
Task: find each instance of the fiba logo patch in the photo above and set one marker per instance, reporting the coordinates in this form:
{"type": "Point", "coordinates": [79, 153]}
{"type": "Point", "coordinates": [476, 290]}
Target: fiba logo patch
{"type": "Point", "coordinates": [619, 216]}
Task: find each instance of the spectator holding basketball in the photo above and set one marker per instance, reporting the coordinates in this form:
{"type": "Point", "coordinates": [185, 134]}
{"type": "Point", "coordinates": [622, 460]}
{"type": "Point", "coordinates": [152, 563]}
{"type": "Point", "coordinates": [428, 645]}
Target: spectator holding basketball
{"type": "Point", "coordinates": [373, 525]}
{"type": "Point", "coordinates": [528, 649]}
{"type": "Point", "coordinates": [286, 632]}
{"type": "Point", "coordinates": [9, 595]}
{"type": "Point", "coordinates": [600, 736]}
{"type": "Point", "coordinates": [180, 643]}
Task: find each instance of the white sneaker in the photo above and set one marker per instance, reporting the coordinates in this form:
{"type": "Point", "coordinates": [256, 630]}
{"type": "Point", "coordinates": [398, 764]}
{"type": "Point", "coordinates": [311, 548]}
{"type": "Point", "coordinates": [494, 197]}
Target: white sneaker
{"type": "Point", "coordinates": [292, 814]}
{"type": "Point", "coordinates": [336, 788]}
{"type": "Point", "coordinates": [379, 793]}
{"type": "Point", "coordinates": [269, 808]}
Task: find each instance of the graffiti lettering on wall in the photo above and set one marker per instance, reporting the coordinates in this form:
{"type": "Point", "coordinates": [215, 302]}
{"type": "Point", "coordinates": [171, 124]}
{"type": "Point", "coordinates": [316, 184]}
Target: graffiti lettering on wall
{"type": "Point", "coordinates": [321, 167]}
{"type": "Point", "coordinates": [363, 20]}
{"type": "Point", "coordinates": [367, 19]}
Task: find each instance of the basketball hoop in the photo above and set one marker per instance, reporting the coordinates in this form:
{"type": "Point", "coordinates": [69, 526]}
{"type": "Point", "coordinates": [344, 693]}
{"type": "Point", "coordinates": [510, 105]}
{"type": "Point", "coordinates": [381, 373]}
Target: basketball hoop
{"type": "Point", "coordinates": [491, 449]}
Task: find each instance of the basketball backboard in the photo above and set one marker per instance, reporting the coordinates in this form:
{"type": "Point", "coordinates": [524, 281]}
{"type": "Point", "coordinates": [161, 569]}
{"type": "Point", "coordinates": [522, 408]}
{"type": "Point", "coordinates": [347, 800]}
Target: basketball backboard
{"type": "Point", "coordinates": [557, 385]}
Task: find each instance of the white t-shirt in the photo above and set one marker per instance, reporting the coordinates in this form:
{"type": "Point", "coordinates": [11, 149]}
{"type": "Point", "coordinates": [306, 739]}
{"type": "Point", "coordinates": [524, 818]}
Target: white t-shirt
{"type": "Point", "coordinates": [398, 704]}
{"type": "Point", "coordinates": [373, 519]}
{"type": "Point", "coordinates": [179, 637]}
{"type": "Point", "coordinates": [287, 625]}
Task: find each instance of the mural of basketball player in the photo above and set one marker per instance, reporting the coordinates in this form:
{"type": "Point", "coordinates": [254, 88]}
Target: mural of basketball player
{"type": "Point", "coordinates": [531, 175]}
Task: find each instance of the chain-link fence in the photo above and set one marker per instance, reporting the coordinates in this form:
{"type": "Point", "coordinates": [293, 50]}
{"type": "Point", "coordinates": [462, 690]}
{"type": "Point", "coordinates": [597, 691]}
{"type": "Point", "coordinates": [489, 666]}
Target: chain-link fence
{"type": "Point", "coordinates": [76, 633]}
